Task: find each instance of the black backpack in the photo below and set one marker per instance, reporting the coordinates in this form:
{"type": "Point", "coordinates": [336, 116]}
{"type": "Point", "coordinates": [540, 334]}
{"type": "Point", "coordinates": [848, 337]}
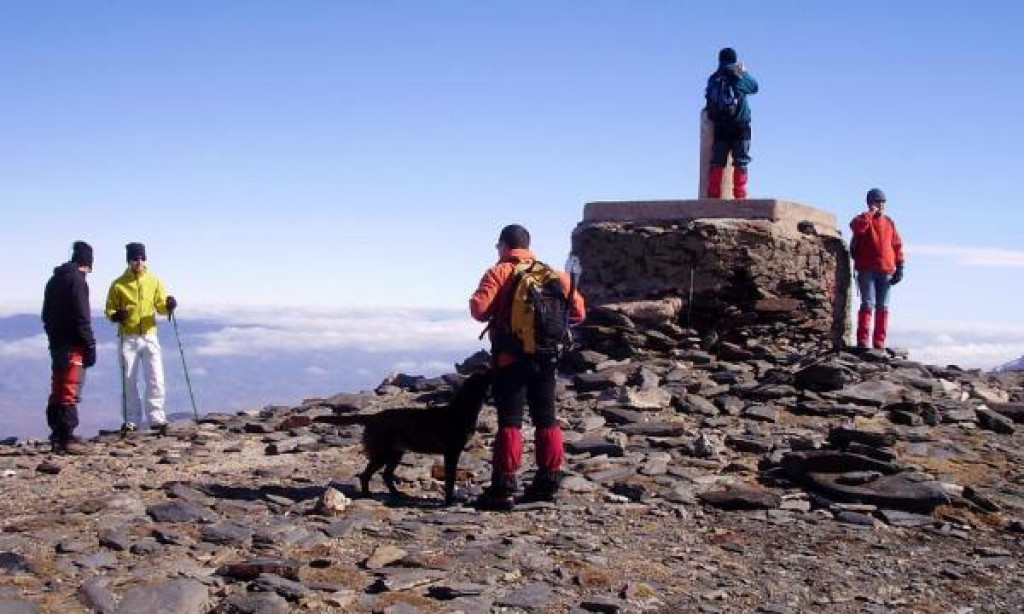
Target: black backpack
{"type": "Point", "coordinates": [722, 98]}
{"type": "Point", "coordinates": [534, 319]}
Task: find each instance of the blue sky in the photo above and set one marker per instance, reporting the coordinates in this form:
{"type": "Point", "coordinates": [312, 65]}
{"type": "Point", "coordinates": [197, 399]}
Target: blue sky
{"type": "Point", "coordinates": [365, 154]}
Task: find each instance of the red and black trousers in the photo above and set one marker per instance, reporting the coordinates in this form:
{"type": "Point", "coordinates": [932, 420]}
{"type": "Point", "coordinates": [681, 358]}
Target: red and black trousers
{"type": "Point", "coordinates": [68, 377]}
{"type": "Point", "coordinates": [528, 382]}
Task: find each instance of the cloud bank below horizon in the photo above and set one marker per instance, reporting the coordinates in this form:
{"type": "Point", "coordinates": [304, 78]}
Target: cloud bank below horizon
{"type": "Point", "coordinates": [266, 331]}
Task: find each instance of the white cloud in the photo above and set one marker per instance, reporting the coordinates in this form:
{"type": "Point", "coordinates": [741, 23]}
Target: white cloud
{"type": "Point", "coordinates": [972, 256]}
{"type": "Point", "coordinates": [36, 347]}
{"type": "Point", "coordinates": [974, 345]}
{"type": "Point", "coordinates": [26, 347]}
{"type": "Point", "coordinates": [15, 308]}
{"type": "Point", "coordinates": [304, 330]}
{"type": "Point", "coordinates": [427, 368]}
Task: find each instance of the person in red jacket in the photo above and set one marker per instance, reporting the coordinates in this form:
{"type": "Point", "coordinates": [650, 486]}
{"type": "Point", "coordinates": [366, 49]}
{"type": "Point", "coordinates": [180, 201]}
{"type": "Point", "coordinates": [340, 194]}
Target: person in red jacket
{"type": "Point", "coordinates": [520, 379]}
{"type": "Point", "coordinates": [877, 252]}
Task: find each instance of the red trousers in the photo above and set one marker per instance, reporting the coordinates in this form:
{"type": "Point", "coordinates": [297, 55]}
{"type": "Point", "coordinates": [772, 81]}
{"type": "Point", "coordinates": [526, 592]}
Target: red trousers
{"type": "Point", "coordinates": [68, 375]}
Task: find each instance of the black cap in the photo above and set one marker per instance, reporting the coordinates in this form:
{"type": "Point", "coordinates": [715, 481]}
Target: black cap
{"type": "Point", "coordinates": [135, 251]}
{"type": "Point", "coordinates": [875, 195]}
{"type": "Point", "coordinates": [727, 55]}
{"type": "Point", "coordinates": [81, 253]}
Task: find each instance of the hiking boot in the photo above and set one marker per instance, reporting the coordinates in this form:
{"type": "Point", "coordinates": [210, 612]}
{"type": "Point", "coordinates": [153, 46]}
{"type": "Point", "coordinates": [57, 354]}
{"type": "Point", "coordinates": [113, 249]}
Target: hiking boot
{"type": "Point", "coordinates": [128, 427]}
{"type": "Point", "coordinates": [160, 428]}
{"type": "Point", "coordinates": [75, 447]}
{"type": "Point", "coordinates": [500, 496]}
{"type": "Point", "coordinates": [495, 501]}
{"type": "Point", "coordinates": [544, 487]}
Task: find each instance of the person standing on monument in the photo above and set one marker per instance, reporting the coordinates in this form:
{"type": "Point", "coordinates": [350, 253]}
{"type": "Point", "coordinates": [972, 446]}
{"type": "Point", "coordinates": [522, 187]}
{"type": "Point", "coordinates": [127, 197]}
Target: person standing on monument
{"type": "Point", "coordinates": [133, 302]}
{"type": "Point", "coordinates": [877, 252]}
{"type": "Point", "coordinates": [727, 108]}
{"type": "Point", "coordinates": [524, 362]}
{"type": "Point", "coordinates": [68, 324]}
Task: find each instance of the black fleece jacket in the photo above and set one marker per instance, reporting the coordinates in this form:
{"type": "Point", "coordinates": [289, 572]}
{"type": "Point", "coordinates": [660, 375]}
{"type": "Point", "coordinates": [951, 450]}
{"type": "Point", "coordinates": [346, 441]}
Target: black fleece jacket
{"type": "Point", "coordinates": [66, 315]}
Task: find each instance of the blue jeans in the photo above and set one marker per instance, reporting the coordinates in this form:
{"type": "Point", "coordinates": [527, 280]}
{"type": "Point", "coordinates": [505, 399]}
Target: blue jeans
{"type": "Point", "coordinates": [874, 289]}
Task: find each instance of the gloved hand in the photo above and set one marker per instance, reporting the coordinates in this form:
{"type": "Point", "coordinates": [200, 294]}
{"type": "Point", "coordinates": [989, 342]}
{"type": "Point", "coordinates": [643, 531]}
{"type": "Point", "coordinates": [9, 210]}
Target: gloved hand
{"type": "Point", "coordinates": [89, 356]}
{"type": "Point", "coordinates": [897, 276]}
{"type": "Point", "coordinates": [172, 304]}
{"type": "Point", "coordinates": [119, 316]}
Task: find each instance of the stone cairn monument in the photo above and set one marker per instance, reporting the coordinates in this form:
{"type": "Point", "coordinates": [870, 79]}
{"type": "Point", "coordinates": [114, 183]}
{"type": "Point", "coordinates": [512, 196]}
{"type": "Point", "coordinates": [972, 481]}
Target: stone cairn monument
{"type": "Point", "coordinates": [730, 270]}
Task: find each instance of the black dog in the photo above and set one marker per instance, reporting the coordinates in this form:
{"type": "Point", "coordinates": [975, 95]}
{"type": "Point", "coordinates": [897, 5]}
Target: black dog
{"type": "Point", "coordinates": [390, 433]}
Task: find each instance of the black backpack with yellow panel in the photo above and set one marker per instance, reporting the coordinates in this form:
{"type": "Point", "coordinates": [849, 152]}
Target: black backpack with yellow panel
{"type": "Point", "coordinates": [536, 320]}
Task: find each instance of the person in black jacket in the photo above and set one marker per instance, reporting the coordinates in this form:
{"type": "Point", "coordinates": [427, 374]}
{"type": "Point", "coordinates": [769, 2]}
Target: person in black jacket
{"type": "Point", "coordinates": [68, 324]}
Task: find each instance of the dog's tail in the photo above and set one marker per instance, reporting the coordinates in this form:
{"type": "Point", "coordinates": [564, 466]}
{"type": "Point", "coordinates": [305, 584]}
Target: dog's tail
{"type": "Point", "coordinates": [342, 419]}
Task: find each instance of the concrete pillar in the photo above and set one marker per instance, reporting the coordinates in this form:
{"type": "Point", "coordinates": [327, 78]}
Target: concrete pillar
{"type": "Point", "coordinates": [707, 136]}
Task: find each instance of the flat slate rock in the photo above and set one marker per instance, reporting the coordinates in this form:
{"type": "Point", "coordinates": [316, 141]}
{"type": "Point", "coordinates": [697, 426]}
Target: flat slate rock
{"type": "Point", "coordinates": [994, 421]}
{"type": "Point", "coordinates": [449, 591]}
{"type": "Point", "coordinates": [180, 511]}
{"type": "Point", "coordinates": [603, 605]}
{"type": "Point", "coordinates": [271, 583]}
{"type": "Point", "coordinates": [741, 498]}
{"type": "Point", "coordinates": [594, 447]}
{"type": "Point", "coordinates": [601, 380]}
{"type": "Point", "coordinates": [14, 563]}
{"type": "Point", "coordinates": [899, 518]}
{"type": "Point", "coordinates": [873, 393]}
{"type": "Point", "coordinates": [346, 402]}
{"type": "Point", "coordinates": [654, 429]}
{"type": "Point", "coordinates": [617, 415]}
{"type": "Point", "coordinates": [256, 603]}
{"type": "Point", "coordinates": [177, 596]}
{"type": "Point", "coordinates": [94, 594]}
{"type": "Point", "coordinates": [762, 413]}
{"type": "Point", "coordinates": [822, 377]}
{"type": "Point", "coordinates": [226, 534]}
{"type": "Point", "coordinates": [18, 606]}
{"type": "Point", "coordinates": [533, 596]}
{"type": "Point", "coordinates": [252, 568]}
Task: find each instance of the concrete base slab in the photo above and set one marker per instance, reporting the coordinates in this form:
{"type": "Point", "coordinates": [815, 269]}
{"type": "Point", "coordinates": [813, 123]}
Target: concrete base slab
{"type": "Point", "coordinates": [787, 214]}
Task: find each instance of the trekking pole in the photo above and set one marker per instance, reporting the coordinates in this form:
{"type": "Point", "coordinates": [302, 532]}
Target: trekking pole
{"type": "Point", "coordinates": [689, 302]}
{"type": "Point", "coordinates": [188, 382]}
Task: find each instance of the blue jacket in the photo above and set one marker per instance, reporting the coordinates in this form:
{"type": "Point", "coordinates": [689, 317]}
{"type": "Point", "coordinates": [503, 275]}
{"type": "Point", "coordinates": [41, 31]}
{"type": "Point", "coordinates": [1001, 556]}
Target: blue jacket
{"type": "Point", "coordinates": [745, 84]}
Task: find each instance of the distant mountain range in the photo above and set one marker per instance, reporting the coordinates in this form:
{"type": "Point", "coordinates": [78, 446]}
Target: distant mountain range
{"type": "Point", "coordinates": [241, 377]}
{"type": "Point", "coordinates": [1013, 365]}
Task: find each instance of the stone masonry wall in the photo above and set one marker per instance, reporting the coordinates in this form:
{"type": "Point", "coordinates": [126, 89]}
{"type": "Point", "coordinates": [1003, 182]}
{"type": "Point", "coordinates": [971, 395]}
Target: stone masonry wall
{"type": "Point", "coordinates": [743, 273]}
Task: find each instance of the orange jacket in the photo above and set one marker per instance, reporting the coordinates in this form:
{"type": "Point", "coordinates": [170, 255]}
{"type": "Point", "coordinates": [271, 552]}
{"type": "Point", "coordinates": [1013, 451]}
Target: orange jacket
{"type": "Point", "coordinates": [876, 245]}
{"type": "Point", "coordinates": [494, 286]}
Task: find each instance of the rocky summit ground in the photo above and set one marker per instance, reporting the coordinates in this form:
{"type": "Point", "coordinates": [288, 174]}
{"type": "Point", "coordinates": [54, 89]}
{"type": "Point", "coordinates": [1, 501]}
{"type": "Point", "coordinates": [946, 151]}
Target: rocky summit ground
{"type": "Point", "coordinates": [760, 474]}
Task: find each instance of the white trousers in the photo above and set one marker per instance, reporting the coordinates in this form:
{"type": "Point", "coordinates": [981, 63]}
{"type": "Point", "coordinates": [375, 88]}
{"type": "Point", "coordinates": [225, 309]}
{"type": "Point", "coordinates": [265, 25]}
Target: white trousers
{"type": "Point", "coordinates": [141, 358]}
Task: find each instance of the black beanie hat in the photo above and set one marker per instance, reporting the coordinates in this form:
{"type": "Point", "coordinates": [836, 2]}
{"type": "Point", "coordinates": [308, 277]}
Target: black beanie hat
{"type": "Point", "coordinates": [515, 236]}
{"type": "Point", "coordinates": [135, 251]}
{"type": "Point", "coordinates": [81, 253]}
{"type": "Point", "coordinates": [875, 194]}
{"type": "Point", "coordinates": [727, 56]}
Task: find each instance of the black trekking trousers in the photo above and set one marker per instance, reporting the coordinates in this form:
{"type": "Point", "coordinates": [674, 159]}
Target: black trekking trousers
{"type": "Point", "coordinates": [526, 382]}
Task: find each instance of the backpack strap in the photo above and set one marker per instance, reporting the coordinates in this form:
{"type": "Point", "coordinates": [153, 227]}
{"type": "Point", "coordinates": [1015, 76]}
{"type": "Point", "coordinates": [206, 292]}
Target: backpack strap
{"type": "Point", "coordinates": [505, 297]}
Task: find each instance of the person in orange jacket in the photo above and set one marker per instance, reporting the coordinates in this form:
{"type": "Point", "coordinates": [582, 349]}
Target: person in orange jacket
{"type": "Point", "coordinates": [877, 252]}
{"type": "Point", "coordinates": [520, 379]}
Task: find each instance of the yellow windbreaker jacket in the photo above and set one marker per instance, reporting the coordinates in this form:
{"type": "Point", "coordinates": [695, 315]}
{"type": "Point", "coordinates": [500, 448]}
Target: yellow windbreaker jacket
{"type": "Point", "coordinates": [143, 296]}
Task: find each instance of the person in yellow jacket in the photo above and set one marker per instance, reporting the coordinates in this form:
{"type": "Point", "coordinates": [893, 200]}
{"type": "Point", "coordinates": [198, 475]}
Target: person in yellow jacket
{"type": "Point", "coordinates": [133, 302]}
